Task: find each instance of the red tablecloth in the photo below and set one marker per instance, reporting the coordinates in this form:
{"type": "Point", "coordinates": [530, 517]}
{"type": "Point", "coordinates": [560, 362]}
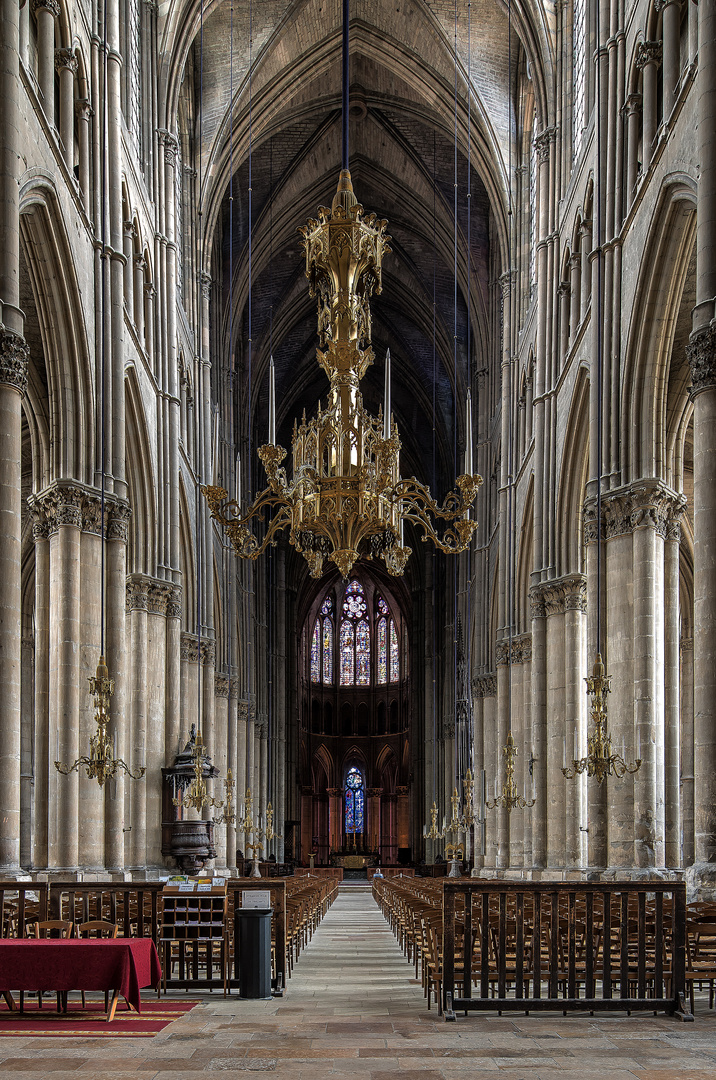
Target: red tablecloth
{"type": "Point", "coordinates": [124, 964]}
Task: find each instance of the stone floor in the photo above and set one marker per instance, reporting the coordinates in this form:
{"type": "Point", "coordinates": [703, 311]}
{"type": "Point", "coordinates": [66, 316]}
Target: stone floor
{"type": "Point", "coordinates": [353, 1010]}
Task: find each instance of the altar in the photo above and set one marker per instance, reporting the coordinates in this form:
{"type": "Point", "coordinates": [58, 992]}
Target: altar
{"type": "Point", "coordinates": [353, 862]}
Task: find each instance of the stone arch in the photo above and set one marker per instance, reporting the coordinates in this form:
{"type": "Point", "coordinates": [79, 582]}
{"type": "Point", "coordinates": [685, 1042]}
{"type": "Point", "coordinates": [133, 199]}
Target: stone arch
{"type": "Point", "coordinates": [141, 547]}
{"type": "Point", "coordinates": [660, 287]}
{"type": "Point", "coordinates": [62, 372]}
{"type": "Point", "coordinates": [573, 480]}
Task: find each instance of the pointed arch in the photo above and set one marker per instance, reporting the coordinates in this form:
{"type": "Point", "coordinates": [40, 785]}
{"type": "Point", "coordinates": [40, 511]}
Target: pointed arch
{"type": "Point", "coordinates": [573, 481]}
{"type": "Point", "coordinates": [660, 287]}
{"type": "Point", "coordinates": [141, 548]}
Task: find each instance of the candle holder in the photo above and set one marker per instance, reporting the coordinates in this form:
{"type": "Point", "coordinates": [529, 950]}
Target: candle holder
{"type": "Point", "coordinates": [509, 799]}
{"type": "Point", "coordinates": [600, 760]}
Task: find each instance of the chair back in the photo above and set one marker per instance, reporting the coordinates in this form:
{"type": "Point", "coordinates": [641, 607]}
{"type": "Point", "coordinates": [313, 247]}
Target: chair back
{"type": "Point", "coordinates": [96, 928]}
{"type": "Point", "coordinates": [49, 928]}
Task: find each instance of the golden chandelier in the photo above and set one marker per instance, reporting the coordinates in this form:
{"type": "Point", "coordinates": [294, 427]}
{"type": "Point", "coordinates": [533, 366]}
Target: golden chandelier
{"type": "Point", "coordinates": [600, 761]}
{"type": "Point", "coordinates": [101, 764]}
{"type": "Point", "coordinates": [346, 499]}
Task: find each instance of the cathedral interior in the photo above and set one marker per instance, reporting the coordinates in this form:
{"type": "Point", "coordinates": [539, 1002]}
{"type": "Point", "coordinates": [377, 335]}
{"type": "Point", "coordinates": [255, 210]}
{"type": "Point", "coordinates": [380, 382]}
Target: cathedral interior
{"type": "Point", "coordinates": [536, 320]}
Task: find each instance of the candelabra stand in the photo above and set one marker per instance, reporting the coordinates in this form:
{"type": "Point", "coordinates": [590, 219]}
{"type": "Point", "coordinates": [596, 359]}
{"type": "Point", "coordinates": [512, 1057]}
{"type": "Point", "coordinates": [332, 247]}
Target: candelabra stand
{"type": "Point", "coordinates": [229, 815]}
{"type": "Point", "coordinates": [198, 796]}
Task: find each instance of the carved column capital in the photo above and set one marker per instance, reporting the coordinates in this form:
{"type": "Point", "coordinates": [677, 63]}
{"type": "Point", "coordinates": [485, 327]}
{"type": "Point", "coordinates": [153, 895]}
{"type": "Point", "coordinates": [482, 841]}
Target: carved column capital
{"type": "Point", "coordinates": [701, 354]}
{"type": "Point", "coordinates": [171, 147]}
{"type": "Point", "coordinates": [208, 653]}
{"type": "Point", "coordinates": [66, 58]}
{"type": "Point", "coordinates": [118, 515]}
{"type": "Point", "coordinates": [137, 593]}
{"type": "Point", "coordinates": [188, 648]}
{"type": "Point", "coordinates": [484, 686]}
{"type": "Point", "coordinates": [174, 603]}
{"type": "Point", "coordinates": [543, 141]}
{"type": "Point", "coordinates": [14, 358]}
{"type": "Point", "coordinates": [206, 283]}
{"type": "Point", "coordinates": [47, 5]}
{"type": "Point", "coordinates": [632, 104]}
{"type": "Point", "coordinates": [648, 52]}
{"type": "Point", "coordinates": [221, 686]}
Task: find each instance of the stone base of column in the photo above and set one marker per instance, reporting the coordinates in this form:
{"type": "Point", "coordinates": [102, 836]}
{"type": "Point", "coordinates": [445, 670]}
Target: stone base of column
{"type": "Point", "coordinates": [701, 882]}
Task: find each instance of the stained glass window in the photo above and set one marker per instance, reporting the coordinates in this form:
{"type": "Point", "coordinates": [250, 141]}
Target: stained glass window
{"type": "Point", "coordinates": [322, 645]}
{"type": "Point", "coordinates": [328, 650]}
{"type": "Point", "coordinates": [316, 653]}
{"type": "Point", "coordinates": [382, 649]}
{"type": "Point", "coordinates": [354, 605]}
{"type": "Point", "coordinates": [383, 608]}
{"type": "Point", "coordinates": [394, 659]}
{"type": "Point", "coordinates": [347, 653]}
{"type": "Point", "coordinates": [363, 653]}
{"type": "Point", "coordinates": [354, 802]}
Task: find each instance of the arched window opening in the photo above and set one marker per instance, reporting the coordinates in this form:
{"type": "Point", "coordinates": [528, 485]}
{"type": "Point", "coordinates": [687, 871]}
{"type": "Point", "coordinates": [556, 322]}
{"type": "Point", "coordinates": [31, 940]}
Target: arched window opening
{"type": "Point", "coordinates": [322, 645]}
{"type": "Point", "coordinates": [579, 69]}
{"type": "Point", "coordinates": [387, 656]}
{"type": "Point", "coordinates": [355, 638]}
{"type": "Point", "coordinates": [354, 804]}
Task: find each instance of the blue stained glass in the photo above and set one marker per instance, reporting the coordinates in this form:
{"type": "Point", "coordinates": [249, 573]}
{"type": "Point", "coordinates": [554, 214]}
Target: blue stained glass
{"type": "Point", "coordinates": [383, 608]}
{"type": "Point", "coordinates": [354, 802]}
{"type": "Point", "coordinates": [347, 653]}
{"type": "Point", "coordinates": [327, 650]}
{"type": "Point", "coordinates": [327, 608]}
{"type": "Point", "coordinates": [363, 654]}
{"type": "Point", "coordinates": [394, 657]}
{"type": "Point", "coordinates": [316, 653]}
{"type": "Point", "coordinates": [382, 651]}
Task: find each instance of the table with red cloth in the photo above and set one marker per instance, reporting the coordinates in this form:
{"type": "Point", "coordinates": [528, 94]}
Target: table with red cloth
{"type": "Point", "coordinates": [122, 965]}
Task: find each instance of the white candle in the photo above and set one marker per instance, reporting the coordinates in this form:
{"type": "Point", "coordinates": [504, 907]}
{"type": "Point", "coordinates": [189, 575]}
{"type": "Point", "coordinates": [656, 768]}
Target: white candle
{"type": "Point", "coordinates": [272, 404]}
{"type": "Point", "coordinates": [238, 479]}
{"type": "Point", "coordinates": [215, 454]}
{"type": "Point", "coordinates": [386, 397]}
{"type": "Point", "coordinates": [468, 435]}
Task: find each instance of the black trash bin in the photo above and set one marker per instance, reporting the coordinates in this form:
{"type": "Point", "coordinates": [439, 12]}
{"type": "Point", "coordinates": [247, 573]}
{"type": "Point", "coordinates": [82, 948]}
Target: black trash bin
{"type": "Point", "coordinates": [252, 930]}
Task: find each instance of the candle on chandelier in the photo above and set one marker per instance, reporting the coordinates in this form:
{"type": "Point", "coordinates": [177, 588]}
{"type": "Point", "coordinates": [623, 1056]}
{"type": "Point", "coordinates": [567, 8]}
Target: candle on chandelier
{"type": "Point", "coordinates": [215, 451]}
{"type": "Point", "coordinates": [238, 479]}
{"type": "Point", "coordinates": [386, 397]}
{"type": "Point", "coordinates": [272, 404]}
{"type": "Point", "coordinates": [468, 434]}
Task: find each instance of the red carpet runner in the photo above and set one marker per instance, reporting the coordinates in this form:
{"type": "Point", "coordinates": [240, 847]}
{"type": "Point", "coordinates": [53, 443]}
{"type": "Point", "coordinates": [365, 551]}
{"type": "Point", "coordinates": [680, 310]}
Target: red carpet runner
{"type": "Point", "coordinates": [81, 1023]}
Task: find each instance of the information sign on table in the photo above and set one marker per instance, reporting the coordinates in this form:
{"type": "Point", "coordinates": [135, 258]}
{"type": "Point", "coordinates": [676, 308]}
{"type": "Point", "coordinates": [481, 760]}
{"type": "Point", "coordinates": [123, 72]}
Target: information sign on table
{"type": "Point", "coordinates": [255, 898]}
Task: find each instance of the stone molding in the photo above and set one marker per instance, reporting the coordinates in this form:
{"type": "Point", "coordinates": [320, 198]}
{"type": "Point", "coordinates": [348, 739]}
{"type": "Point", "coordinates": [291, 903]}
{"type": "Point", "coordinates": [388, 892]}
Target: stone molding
{"type": "Point", "coordinates": [206, 282]}
{"type": "Point", "coordinates": [375, 792]}
{"type": "Point", "coordinates": [449, 728]}
{"type": "Point", "coordinates": [648, 52]}
{"type": "Point", "coordinates": [484, 686]}
{"type": "Point", "coordinates": [335, 792]}
{"type": "Point", "coordinates": [632, 104]}
{"type": "Point", "coordinates": [401, 790]}
{"type": "Point", "coordinates": [14, 358]}
{"type": "Point", "coordinates": [208, 653]}
{"type": "Point", "coordinates": [701, 355]}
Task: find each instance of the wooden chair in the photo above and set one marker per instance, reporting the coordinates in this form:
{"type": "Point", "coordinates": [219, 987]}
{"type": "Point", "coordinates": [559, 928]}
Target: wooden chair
{"type": "Point", "coordinates": [97, 928]}
{"type": "Point", "coordinates": [51, 928]}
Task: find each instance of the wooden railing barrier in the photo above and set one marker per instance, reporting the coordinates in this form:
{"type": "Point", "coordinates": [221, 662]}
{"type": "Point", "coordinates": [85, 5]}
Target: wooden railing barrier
{"type": "Point", "coordinates": [536, 946]}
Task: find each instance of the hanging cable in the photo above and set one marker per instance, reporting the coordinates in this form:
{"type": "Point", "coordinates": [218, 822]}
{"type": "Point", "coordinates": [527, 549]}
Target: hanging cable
{"type": "Point", "coordinates": [455, 575]}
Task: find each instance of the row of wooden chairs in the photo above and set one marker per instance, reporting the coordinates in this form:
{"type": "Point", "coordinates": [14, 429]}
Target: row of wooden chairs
{"type": "Point", "coordinates": [414, 910]}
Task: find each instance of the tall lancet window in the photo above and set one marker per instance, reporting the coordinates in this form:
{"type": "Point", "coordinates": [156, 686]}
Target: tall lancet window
{"type": "Point", "coordinates": [387, 658]}
{"type": "Point", "coordinates": [579, 58]}
{"type": "Point", "coordinates": [355, 638]}
{"type": "Point", "coordinates": [354, 802]}
{"type": "Point", "coordinates": [322, 645]}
